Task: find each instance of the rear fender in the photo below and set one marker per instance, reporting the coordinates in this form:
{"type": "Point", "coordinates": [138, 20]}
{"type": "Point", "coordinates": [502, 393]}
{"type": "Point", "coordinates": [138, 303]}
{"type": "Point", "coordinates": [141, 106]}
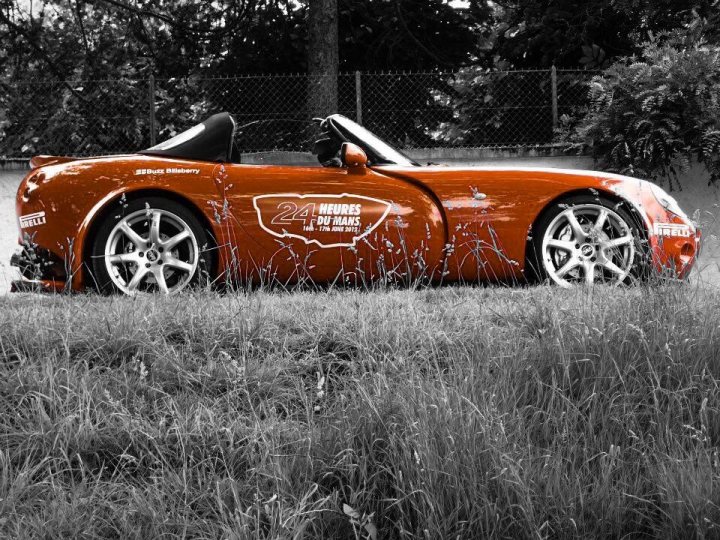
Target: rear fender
{"type": "Point", "coordinates": [41, 161]}
{"type": "Point", "coordinates": [104, 205]}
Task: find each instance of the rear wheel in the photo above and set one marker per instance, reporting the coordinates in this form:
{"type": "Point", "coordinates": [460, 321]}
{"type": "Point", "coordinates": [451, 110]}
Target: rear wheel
{"type": "Point", "coordinates": [155, 246]}
{"type": "Point", "coordinates": [586, 239]}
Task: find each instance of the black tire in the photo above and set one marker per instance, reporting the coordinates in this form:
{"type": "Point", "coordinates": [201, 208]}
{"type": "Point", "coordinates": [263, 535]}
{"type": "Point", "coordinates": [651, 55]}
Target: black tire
{"type": "Point", "coordinates": [100, 277]}
{"type": "Point", "coordinates": [640, 266]}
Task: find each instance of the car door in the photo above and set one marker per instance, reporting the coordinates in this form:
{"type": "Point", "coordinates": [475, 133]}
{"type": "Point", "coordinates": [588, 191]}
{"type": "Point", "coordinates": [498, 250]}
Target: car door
{"type": "Point", "coordinates": [286, 224]}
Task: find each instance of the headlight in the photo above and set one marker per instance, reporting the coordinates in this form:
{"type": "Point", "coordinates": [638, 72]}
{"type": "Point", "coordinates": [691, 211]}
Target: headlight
{"type": "Point", "coordinates": [667, 201]}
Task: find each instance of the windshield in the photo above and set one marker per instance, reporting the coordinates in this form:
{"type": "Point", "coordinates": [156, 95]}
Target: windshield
{"type": "Point", "coordinates": [385, 153]}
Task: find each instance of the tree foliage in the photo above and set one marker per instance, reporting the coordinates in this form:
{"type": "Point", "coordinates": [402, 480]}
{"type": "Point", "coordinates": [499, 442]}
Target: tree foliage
{"type": "Point", "coordinates": [84, 39]}
{"type": "Point", "coordinates": [503, 108]}
{"type": "Point", "coordinates": [591, 33]}
{"type": "Point", "coordinates": [81, 39]}
{"type": "Point", "coordinates": [411, 35]}
{"type": "Point", "coordinates": [181, 42]}
{"type": "Point", "coordinates": [649, 116]}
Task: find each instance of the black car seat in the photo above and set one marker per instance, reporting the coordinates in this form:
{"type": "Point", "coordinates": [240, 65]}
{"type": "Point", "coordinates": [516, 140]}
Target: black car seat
{"type": "Point", "coordinates": [327, 151]}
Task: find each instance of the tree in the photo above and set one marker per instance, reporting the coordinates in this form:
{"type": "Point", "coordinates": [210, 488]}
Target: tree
{"type": "Point", "coordinates": [590, 33]}
{"type": "Point", "coordinates": [322, 57]}
{"type": "Point", "coordinates": [410, 35]}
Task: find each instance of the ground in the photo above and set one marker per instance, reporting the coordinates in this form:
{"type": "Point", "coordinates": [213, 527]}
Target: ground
{"type": "Point", "coordinates": [458, 412]}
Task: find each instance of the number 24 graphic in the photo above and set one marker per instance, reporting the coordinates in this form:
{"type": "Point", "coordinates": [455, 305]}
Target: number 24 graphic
{"type": "Point", "coordinates": [290, 212]}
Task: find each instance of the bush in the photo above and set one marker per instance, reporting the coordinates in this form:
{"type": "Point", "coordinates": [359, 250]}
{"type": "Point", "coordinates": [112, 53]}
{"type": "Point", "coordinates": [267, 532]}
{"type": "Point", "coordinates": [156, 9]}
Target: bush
{"type": "Point", "coordinates": [650, 117]}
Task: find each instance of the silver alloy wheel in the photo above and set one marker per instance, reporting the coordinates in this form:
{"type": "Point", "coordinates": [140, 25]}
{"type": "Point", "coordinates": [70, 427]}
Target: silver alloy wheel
{"type": "Point", "coordinates": [151, 250]}
{"type": "Point", "coordinates": [588, 243]}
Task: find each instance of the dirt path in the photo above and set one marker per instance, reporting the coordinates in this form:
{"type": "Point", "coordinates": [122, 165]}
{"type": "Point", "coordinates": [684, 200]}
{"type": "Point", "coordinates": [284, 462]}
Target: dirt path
{"type": "Point", "coordinates": [696, 198]}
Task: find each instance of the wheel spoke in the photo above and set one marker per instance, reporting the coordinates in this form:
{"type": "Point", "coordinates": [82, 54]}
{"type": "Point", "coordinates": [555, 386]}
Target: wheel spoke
{"type": "Point", "coordinates": [564, 269]}
{"type": "Point", "coordinates": [160, 278]}
{"type": "Point", "coordinates": [617, 242]}
{"type": "Point", "coordinates": [614, 268]}
{"type": "Point", "coordinates": [180, 265]}
{"type": "Point", "coordinates": [137, 279]}
{"type": "Point", "coordinates": [134, 237]}
{"type": "Point", "coordinates": [575, 226]}
{"type": "Point", "coordinates": [561, 244]}
{"type": "Point", "coordinates": [155, 228]}
{"type": "Point", "coordinates": [121, 258]}
{"type": "Point", "coordinates": [589, 268]}
{"type": "Point", "coordinates": [175, 240]}
{"type": "Point", "coordinates": [600, 221]}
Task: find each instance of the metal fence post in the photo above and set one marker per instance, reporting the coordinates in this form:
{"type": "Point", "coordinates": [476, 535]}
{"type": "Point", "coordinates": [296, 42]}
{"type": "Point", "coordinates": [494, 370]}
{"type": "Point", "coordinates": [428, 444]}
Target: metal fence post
{"type": "Point", "coordinates": [358, 98]}
{"type": "Point", "coordinates": [151, 99]}
{"type": "Point", "coordinates": [553, 90]}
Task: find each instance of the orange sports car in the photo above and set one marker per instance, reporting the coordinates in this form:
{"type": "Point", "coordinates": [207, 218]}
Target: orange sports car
{"type": "Point", "coordinates": [188, 211]}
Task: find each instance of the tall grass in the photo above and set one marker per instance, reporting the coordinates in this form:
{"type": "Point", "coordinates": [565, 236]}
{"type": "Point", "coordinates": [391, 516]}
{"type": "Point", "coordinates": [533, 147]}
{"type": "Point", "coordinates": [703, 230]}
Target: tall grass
{"type": "Point", "coordinates": [434, 413]}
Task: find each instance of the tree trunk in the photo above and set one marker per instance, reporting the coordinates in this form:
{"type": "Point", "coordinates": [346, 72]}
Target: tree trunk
{"type": "Point", "coordinates": [323, 58]}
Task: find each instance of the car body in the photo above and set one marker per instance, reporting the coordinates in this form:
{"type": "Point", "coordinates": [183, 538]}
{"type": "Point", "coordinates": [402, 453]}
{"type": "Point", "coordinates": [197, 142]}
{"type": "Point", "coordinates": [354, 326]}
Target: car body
{"type": "Point", "coordinates": [369, 214]}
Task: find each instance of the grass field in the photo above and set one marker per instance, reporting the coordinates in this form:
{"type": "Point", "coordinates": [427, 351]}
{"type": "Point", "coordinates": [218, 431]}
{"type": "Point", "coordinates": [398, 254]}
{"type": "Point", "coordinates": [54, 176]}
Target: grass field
{"type": "Point", "coordinates": [440, 413]}
{"type": "Point", "coordinates": [457, 412]}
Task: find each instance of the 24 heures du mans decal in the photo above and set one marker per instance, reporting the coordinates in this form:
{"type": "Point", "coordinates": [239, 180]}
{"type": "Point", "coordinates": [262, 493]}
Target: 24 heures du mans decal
{"type": "Point", "coordinates": [322, 219]}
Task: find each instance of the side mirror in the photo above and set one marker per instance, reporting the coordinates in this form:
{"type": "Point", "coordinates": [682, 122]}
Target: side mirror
{"type": "Point", "coordinates": [353, 157]}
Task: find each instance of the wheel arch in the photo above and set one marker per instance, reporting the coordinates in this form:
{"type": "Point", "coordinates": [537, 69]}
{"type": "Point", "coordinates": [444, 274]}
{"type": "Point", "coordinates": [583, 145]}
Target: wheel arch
{"type": "Point", "coordinates": [95, 217]}
{"type": "Point", "coordinates": [633, 209]}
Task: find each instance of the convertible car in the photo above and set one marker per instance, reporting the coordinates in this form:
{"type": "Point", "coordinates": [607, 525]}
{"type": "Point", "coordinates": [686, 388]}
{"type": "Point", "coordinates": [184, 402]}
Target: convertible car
{"type": "Point", "coordinates": [188, 211]}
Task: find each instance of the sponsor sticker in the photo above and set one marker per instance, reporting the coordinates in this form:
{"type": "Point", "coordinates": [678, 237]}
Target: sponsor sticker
{"type": "Point", "coordinates": [171, 170]}
{"type": "Point", "coordinates": [322, 219]}
{"type": "Point", "coordinates": [672, 229]}
{"type": "Point", "coordinates": [32, 220]}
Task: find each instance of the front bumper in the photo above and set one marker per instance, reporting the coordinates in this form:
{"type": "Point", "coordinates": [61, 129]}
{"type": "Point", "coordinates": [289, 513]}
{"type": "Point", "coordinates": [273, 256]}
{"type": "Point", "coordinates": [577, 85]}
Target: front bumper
{"type": "Point", "coordinates": [40, 270]}
{"type": "Point", "coordinates": [676, 256]}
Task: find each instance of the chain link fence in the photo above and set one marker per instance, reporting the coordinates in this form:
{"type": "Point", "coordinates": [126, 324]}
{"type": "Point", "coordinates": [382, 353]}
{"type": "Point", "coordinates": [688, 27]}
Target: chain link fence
{"type": "Point", "coordinates": [470, 108]}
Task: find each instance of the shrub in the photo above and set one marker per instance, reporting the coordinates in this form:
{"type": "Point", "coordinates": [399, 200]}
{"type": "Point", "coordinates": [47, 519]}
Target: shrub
{"type": "Point", "coordinates": [650, 116]}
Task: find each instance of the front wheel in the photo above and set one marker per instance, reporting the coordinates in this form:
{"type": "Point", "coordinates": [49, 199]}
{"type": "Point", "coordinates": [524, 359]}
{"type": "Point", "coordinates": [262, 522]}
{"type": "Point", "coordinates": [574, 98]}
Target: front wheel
{"type": "Point", "coordinates": [587, 239]}
{"type": "Point", "coordinates": [156, 245]}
